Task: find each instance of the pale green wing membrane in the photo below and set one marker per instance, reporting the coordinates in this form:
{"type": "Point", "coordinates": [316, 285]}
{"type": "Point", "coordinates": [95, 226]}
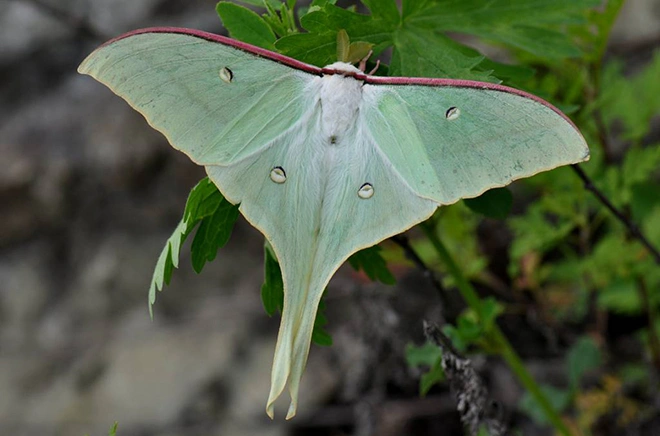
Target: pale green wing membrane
{"type": "Point", "coordinates": [315, 219]}
{"type": "Point", "coordinates": [214, 102]}
{"type": "Point", "coordinates": [452, 142]}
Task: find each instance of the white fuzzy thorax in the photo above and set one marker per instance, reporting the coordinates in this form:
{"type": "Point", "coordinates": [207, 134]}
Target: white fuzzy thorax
{"type": "Point", "coordinates": [340, 100]}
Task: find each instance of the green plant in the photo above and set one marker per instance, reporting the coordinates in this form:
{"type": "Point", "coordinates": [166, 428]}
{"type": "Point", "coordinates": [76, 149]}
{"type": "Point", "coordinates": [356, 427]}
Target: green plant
{"type": "Point", "coordinates": [567, 248]}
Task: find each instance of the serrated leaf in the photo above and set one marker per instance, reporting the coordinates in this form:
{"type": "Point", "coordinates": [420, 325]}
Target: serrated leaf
{"type": "Point", "coordinates": [319, 45]}
{"type": "Point", "coordinates": [583, 357]}
{"type": "Point", "coordinates": [468, 329]}
{"type": "Point", "coordinates": [434, 376]}
{"type": "Point", "coordinates": [383, 9]}
{"type": "Point", "coordinates": [217, 216]}
{"type": "Point", "coordinates": [167, 260]}
{"type": "Point", "coordinates": [426, 53]}
{"type": "Point", "coordinates": [424, 355]}
{"type": "Point", "coordinates": [494, 203]}
{"type": "Point", "coordinates": [212, 234]}
{"type": "Point", "coordinates": [245, 25]}
{"type": "Point", "coordinates": [259, 3]}
{"type": "Point", "coordinates": [202, 201]}
{"type": "Point", "coordinates": [603, 20]}
{"type": "Point", "coordinates": [640, 164]}
{"type": "Point", "coordinates": [531, 26]}
{"type": "Point", "coordinates": [632, 100]}
{"type": "Point", "coordinates": [372, 263]}
{"type": "Point", "coordinates": [428, 355]}
{"type": "Point", "coordinates": [621, 296]}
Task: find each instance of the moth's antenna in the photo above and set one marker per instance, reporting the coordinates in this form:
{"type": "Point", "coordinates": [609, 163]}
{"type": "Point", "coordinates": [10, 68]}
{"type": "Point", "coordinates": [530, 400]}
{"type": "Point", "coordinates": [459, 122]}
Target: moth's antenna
{"type": "Point", "coordinates": [375, 68]}
{"type": "Point", "coordinates": [363, 62]}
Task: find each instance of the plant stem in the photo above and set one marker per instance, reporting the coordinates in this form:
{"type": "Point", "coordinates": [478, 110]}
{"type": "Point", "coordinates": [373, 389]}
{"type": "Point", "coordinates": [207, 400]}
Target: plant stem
{"type": "Point", "coordinates": [634, 230]}
{"type": "Point", "coordinates": [500, 342]}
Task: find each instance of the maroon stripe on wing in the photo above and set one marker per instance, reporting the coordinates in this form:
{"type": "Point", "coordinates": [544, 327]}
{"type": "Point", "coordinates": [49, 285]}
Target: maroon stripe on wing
{"type": "Point", "coordinates": [211, 37]}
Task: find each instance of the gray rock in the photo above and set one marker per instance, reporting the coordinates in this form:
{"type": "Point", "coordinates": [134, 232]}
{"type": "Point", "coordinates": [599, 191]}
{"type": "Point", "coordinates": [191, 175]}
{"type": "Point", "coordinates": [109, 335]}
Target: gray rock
{"type": "Point", "coordinates": [25, 27]}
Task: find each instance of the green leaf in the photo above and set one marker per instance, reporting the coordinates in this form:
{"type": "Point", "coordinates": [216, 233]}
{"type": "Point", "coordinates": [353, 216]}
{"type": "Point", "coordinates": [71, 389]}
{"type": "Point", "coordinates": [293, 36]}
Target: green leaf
{"type": "Point", "coordinates": [559, 399]}
{"type": "Point", "coordinates": [603, 20]}
{"type": "Point", "coordinates": [532, 26]}
{"type": "Point", "coordinates": [319, 45]}
{"type": "Point", "coordinates": [435, 375]}
{"type": "Point", "coordinates": [113, 430]}
{"type": "Point", "coordinates": [272, 291]}
{"type": "Point", "coordinates": [455, 337]}
{"type": "Point", "coordinates": [428, 355]}
{"type": "Point", "coordinates": [651, 227]}
{"type": "Point", "coordinates": [631, 100]}
{"type": "Point", "coordinates": [319, 335]}
{"type": "Point", "coordinates": [640, 164]}
{"type": "Point", "coordinates": [427, 53]}
{"type": "Point", "coordinates": [205, 206]}
{"type": "Point", "coordinates": [202, 201]}
{"type": "Point", "coordinates": [645, 198]}
{"type": "Point", "coordinates": [469, 329]}
{"type": "Point", "coordinates": [424, 355]}
{"type": "Point", "coordinates": [583, 357]}
{"type": "Point", "coordinates": [411, 7]}
{"type": "Point", "coordinates": [372, 263]}
{"type": "Point", "coordinates": [259, 3]}
{"type": "Point", "coordinates": [168, 259]}
{"type": "Point", "coordinates": [245, 25]}
{"type": "Point", "coordinates": [494, 203]}
{"type": "Point", "coordinates": [383, 9]}
{"type": "Point", "coordinates": [620, 296]}
{"type": "Point", "coordinates": [490, 310]}
{"type": "Point", "coordinates": [213, 233]}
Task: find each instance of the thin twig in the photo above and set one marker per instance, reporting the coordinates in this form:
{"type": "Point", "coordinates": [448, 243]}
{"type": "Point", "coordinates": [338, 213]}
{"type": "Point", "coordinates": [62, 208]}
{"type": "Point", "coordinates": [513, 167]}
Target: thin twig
{"type": "Point", "coordinates": [435, 335]}
{"type": "Point", "coordinates": [631, 226]}
{"type": "Point", "coordinates": [477, 410]}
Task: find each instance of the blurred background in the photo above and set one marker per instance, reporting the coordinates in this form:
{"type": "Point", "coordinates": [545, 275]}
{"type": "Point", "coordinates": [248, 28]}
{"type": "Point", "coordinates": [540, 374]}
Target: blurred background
{"type": "Point", "coordinates": [88, 196]}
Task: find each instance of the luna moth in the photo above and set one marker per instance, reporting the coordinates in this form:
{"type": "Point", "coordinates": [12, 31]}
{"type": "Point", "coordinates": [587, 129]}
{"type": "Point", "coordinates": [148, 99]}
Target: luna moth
{"type": "Point", "coordinates": [327, 161]}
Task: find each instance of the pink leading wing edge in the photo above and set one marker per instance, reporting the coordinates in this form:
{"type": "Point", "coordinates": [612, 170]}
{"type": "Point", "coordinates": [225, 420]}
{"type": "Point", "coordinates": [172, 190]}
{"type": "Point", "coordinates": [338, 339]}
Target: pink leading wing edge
{"type": "Point", "coordinates": [374, 80]}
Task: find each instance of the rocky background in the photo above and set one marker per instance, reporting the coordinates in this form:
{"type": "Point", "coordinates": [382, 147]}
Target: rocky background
{"type": "Point", "coordinates": [88, 196]}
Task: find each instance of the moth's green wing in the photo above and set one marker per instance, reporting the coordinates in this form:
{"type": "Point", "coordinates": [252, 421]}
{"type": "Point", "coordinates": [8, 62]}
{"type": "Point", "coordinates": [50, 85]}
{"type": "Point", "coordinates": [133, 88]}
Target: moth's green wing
{"type": "Point", "coordinates": [315, 221]}
{"type": "Point", "coordinates": [496, 137]}
{"type": "Point", "coordinates": [174, 80]}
